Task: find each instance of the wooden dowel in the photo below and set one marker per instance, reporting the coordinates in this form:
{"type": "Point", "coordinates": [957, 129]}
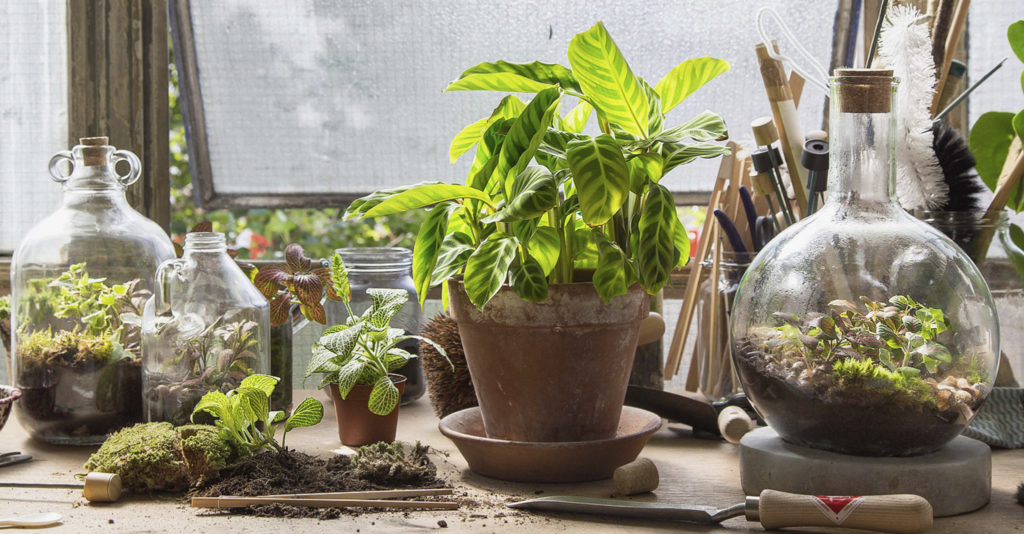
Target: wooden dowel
{"type": "Point", "coordinates": [237, 502]}
{"type": "Point", "coordinates": [375, 494]}
{"type": "Point", "coordinates": [713, 318]}
{"type": "Point", "coordinates": [787, 122]}
{"type": "Point", "coordinates": [955, 31]}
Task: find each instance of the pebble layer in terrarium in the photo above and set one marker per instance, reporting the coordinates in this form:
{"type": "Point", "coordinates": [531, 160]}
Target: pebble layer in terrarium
{"type": "Point", "coordinates": [206, 329]}
{"type": "Point", "coordinates": [79, 280]}
{"type": "Point", "coordinates": [860, 329]}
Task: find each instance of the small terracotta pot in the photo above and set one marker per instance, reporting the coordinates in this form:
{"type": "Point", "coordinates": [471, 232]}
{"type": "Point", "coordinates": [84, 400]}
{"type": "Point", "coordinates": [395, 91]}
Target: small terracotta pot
{"type": "Point", "coordinates": [357, 425]}
{"type": "Point", "coordinates": [555, 370]}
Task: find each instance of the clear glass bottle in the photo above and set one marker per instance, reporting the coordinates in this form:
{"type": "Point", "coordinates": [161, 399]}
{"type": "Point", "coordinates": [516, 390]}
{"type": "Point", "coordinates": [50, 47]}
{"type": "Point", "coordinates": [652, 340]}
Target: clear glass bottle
{"type": "Point", "coordinates": [79, 280]}
{"type": "Point", "coordinates": [205, 329]}
{"type": "Point", "coordinates": [860, 329]}
{"type": "Point", "coordinates": [385, 267]}
{"type": "Point", "coordinates": [716, 378]}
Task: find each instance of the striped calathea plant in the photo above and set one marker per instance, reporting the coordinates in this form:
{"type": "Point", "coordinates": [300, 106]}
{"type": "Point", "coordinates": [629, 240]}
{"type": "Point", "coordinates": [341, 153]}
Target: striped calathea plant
{"type": "Point", "coordinates": [542, 198]}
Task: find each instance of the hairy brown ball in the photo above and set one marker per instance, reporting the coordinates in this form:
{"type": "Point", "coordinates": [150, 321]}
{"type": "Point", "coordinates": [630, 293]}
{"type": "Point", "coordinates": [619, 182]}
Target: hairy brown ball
{"type": "Point", "coordinates": [450, 391]}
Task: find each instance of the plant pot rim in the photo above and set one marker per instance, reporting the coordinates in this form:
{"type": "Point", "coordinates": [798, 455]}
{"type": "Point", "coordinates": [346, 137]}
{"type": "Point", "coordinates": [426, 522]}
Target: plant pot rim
{"type": "Point", "coordinates": [9, 394]}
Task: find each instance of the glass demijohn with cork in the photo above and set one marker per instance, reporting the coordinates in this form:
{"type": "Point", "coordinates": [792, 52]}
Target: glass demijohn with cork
{"type": "Point", "coordinates": [79, 279]}
{"type": "Point", "coordinates": [860, 329]}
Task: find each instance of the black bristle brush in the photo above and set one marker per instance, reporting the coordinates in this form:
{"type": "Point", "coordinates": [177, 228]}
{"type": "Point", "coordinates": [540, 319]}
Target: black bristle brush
{"type": "Point", "coordinates": [449, 391]}
{"type": "Point", "coordinates": [957, 162]}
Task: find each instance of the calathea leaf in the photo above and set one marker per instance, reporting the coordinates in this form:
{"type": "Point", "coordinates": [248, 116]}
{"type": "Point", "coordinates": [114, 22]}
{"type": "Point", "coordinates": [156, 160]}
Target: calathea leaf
{"type": "Point", "coordinates": [610, 275]}
{"type": "Point", "coordinates": [708, 126]}
{"type": "Point", "coordinates": [533, 192]}
{"type": "Point", "coordinates": [510, 107]}
{"type": "Point", "coordinates": [544, 248]}
{"type": "Point", "coordinates": [607, 80]}
{"type": "Point", "coordinates": [655, 117]}
{"type": "Point", "coordinates": [682, 244]}
{"type": "Point", "coordinates": [655, 253]}
{"type": "Point", "coordinates": [687, 77]}
{"type": "Point", "coordinates": [545, 73]}
{"type": "Point", "coordinates": [676, 154]}
{"type": "Point", "coordinates": [600, 175]}
{"type": "Point", "coordinates": [361, 205]}
{"type": "Point", "coordinates": [577, 117]}
{"type": "Point", "coordinates": [425, 194]}
{"type": "Point", "coordinates": [487, 267]}
{"type": "Point", "coordinates": [524, 230]}
{"type": "Point", "coordinates": [497, 81]}
{"type": "Point", "coordinates": [557, 141]}
{"type": "Point", "coordinates": [646, 165]}
{"type": "Point", "coordinates": [428, 246]}
{"type": "Point", "coordinates": [486, 159]}
{"type": "Point", "coordinates": [455, 250]}
{"type": "Point", "coordinates": [308, 413]}
{"type": "Point", "coordinates": [384, 396]}
{"type": "Point", "coordinates": [528, 281]}
{"type": "Point", "coordinates": [524, 136]}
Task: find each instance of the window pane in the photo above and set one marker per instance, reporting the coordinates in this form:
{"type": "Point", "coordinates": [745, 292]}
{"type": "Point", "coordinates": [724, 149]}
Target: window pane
{"type": "Point", "coordinates": [986, 46]}
{"type": "Point", "coordinates": [308, 96]}
{"type": "Point", "coordinates": [33, 107]}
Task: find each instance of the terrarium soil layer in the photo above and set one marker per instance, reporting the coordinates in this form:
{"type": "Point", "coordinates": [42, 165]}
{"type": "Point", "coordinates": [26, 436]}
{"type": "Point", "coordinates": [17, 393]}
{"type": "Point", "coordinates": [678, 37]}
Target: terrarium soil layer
{"type": "Point", "coordinates": [294, 472]}
{"type": "Point", "coordinates": [813, 415]}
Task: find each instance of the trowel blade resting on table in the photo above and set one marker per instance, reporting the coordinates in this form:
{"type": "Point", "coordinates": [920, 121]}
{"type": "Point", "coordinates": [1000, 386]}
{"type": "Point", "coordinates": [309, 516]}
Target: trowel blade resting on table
{"type": "Point", "coordinates": [902, 514]}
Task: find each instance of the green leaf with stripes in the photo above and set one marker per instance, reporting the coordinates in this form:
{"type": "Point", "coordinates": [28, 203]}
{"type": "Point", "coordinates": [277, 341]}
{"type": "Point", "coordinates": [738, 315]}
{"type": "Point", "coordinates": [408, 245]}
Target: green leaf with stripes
{"type": "Point", "coordinates": [487, 149]}
{"type": "Point", "coordinates": [533, 192]}
{"type": "Point", "coordinates": [528, 280]}
{"type": "Point", "coordinates": [610, 275]}
{"type": "Point", "coordinates": [524, 136]}
{"type": "Point", "coordinates": [498, 81]}
{"type": "Point", "coordinates": [577, 117]}
{"type": "Point", "coordinates": [600, 175]}
{"type": "Point", "coordinates": [646, 165]}
{"type": "Point", "coordinates": [264, 383]}
{"type": "Point", "coordinates": [544, 246]}
{"type": "Point", "coordinates": [487, 267]}
{"type": "Point", "coordinates": [676, 154]}
{"type": "Point", "coordinates": [385, 303]}
{"type": "Point", "coordinates": [348, 375]}
{"type": "Point", "coordinates": [308, 413]}
{"type": "Point", "coordinates": [544, 73]}
{"type": "Point", "coordinates": [655, 254]}
{"type": "Point", "coordinates": [384, 396]}
{"type": "Point", "coordinates": [655, 116]}
{"type": "Point", "coordinates": [707, 126]}
{"type": "Point", "coordinates": [509, 108]}
{"type": "Point", "coordinates": [687, 77]}
{"type": "Point", "coordinates": [424, 194]}
{"type": "Point", "coordinates": [682, 243]}
{"type": "Point", "coordinates": [607, 80]}
{"type": "Point", "coordinates": [361, 205]}
{"type": "Point", "coordinates": [428, 246]}
{"type": "Point", "coordinates": [455, 250]}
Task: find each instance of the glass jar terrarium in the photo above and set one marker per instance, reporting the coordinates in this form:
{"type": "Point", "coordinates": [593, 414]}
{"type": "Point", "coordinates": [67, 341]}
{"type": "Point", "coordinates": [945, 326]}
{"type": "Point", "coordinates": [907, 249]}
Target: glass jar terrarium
{"type": "Point", "coordinates": [205, 329]}
{"type": "Point", "coordinates": [716, 377]}
{"type": "Point", "coordinates": [79, 280]}
{"type": "Point", "coordinates": [860, 329]}
{"type": "Point", "coordinates": [385, 267]}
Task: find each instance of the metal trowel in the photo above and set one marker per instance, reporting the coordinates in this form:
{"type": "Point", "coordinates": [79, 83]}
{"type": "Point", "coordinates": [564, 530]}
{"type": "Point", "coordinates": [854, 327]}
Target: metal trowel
{"type": "Point", "coordinates": [902, 514]}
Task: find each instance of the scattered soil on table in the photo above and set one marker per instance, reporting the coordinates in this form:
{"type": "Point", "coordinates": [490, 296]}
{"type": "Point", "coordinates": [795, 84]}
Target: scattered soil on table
{"type": "Point", "coordinates": [375, 467]}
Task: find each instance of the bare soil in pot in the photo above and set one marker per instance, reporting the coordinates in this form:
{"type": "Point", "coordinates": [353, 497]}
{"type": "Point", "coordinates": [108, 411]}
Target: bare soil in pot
{"type": "Point", "coordinates": [550, 371]}
{"type": "Point", "coordinates": [357, 425]}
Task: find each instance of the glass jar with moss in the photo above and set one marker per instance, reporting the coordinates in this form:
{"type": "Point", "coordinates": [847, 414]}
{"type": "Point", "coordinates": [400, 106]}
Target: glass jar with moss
{"type": "Point", "coordinates": [79, 280]}
{"type": "Point", "coordinates": [860, 329]}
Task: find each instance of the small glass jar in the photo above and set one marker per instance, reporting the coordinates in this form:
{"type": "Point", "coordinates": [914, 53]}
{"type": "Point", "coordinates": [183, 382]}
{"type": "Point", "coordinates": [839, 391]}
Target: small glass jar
{"type": "Point", "coordinates": [716, 377]}
{"type": "Point", "coordinates": [385, 267]}
{"type": "Point", "coordinates": [79, 280]}
{"type": "Point", "coordinates": [205, 329]}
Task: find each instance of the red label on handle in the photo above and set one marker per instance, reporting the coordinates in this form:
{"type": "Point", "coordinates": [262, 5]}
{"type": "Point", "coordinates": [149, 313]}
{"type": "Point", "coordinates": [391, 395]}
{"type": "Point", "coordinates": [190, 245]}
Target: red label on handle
{"type": "Point", "coordinates": [836, 508]}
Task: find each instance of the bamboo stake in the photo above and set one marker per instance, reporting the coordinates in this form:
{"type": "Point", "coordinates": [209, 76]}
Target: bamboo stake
{"type": "Point", "coordinates": [955, 31]}
{"type": "Point", "coordinates": [374, 494]}
{"type": "Point", "coordinates": [675, 351]}
{"type": "Point", "coordinates": [787, 122]}
{"type": "Point", "coordinates": [237, 502]}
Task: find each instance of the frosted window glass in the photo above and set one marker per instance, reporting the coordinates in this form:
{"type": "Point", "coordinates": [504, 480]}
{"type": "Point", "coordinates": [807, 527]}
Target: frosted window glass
{"type": "Point", "coordinates": [33, 108]}
{"type": "Point", "coordinates": [309, 96]}
{"type": "Point", "coordinates": [986, 46]}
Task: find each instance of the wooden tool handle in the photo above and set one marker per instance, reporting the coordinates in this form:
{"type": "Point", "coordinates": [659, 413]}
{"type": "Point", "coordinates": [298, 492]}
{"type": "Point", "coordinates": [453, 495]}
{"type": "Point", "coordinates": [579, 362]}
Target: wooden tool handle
{"type": "Point", "coordinates": [902, 514]}
{"type": "Point", "coordinates": [238, 502]}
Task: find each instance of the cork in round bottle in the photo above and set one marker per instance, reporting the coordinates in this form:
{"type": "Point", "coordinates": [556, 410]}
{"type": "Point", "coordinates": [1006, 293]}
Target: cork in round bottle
{"type": "Point", "coordinates": [864, 90]}
{"type": "Point", "coordinates": [94, 151]}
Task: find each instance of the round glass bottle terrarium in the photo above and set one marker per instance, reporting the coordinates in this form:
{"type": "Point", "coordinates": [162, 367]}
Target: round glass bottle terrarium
{"type": "Point", "coordinates": [385, 267]}
{"type": "Point", "coordinates": [860, 329]}
{"type": "Point", "coordinates": [79, 281]}
{"type": "Point", "coordinates": [205, 329]}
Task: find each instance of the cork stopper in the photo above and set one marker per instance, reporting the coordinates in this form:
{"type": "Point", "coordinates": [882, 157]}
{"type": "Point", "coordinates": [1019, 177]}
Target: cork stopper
{"type": "Point", "coordinates": [764, 131]}
{"type": "Point", "coordinates": [94, 152]}
{"type": "Point", "coordinates": [864, 90]}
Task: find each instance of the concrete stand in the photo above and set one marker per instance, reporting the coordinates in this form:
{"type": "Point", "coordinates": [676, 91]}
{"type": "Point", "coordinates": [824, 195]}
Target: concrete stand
{"type": "Point", "coordinates": [956, 479]}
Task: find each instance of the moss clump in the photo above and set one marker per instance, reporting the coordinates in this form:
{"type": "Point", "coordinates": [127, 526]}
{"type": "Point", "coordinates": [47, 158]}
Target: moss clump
{"type": "Point", "coordinates": [388, 463]}
{"type": "Point", "coordinates": [904, 389]}
{"type": "Point", "coordinates": [67, 348]}
{"type": "Point", "coordinates": [160, 457]}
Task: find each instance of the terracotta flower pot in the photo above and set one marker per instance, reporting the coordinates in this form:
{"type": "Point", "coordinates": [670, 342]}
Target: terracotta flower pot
{"type": "Point", "coordinates": [550, 371]}
{"type": "Point", "coordinates": [357, 425]}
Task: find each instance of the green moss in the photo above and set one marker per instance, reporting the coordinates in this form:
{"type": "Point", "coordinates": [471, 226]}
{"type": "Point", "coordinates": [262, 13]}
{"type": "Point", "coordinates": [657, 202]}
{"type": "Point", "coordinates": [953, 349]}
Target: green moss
{"type": "Point", "coordinates": [160, 457]}
{"type": "Point", "coordinates": [44, 347]}
{"type": "Point", "coordinates": [853, 375]}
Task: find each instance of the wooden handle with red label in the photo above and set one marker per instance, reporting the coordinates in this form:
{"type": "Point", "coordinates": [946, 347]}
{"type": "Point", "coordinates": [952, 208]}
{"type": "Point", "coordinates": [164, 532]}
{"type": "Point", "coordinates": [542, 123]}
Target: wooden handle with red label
{"type": "Point", "coordinates": [902, 514]}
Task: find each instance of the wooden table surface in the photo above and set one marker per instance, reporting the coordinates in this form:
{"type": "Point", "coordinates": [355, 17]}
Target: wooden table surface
{"type": "Point", "coordinates": [692, 471]}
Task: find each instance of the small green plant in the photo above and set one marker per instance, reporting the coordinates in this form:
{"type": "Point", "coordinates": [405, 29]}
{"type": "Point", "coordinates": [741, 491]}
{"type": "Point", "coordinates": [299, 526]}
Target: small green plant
{"type": "Point", "coordinates": [244, 418]}
{"type": "Point", "coordinates": [590, 202]}
{"type": "Point", "coordinates": [301, 281]}
{"type": "Point", "coordinates": [365, 349]}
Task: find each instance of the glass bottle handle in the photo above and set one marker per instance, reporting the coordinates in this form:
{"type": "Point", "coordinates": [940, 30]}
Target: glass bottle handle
{"type": "Point", "coordinates": [176, 268]}
{"type": "Point", "coordinates": [55, 173]}
{"type": "Point", "coordinates": [134, 170]}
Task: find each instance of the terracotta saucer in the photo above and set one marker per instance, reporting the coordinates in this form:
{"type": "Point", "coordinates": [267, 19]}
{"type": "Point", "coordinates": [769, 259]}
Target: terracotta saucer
{"type": "Point", "coordinates": [568, 461]}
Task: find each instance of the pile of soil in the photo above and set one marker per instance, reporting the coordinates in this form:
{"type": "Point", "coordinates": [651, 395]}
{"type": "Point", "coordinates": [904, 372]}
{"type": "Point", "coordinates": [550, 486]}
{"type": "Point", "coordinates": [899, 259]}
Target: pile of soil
{"type": "Point", "coordinates": [377, 467]}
